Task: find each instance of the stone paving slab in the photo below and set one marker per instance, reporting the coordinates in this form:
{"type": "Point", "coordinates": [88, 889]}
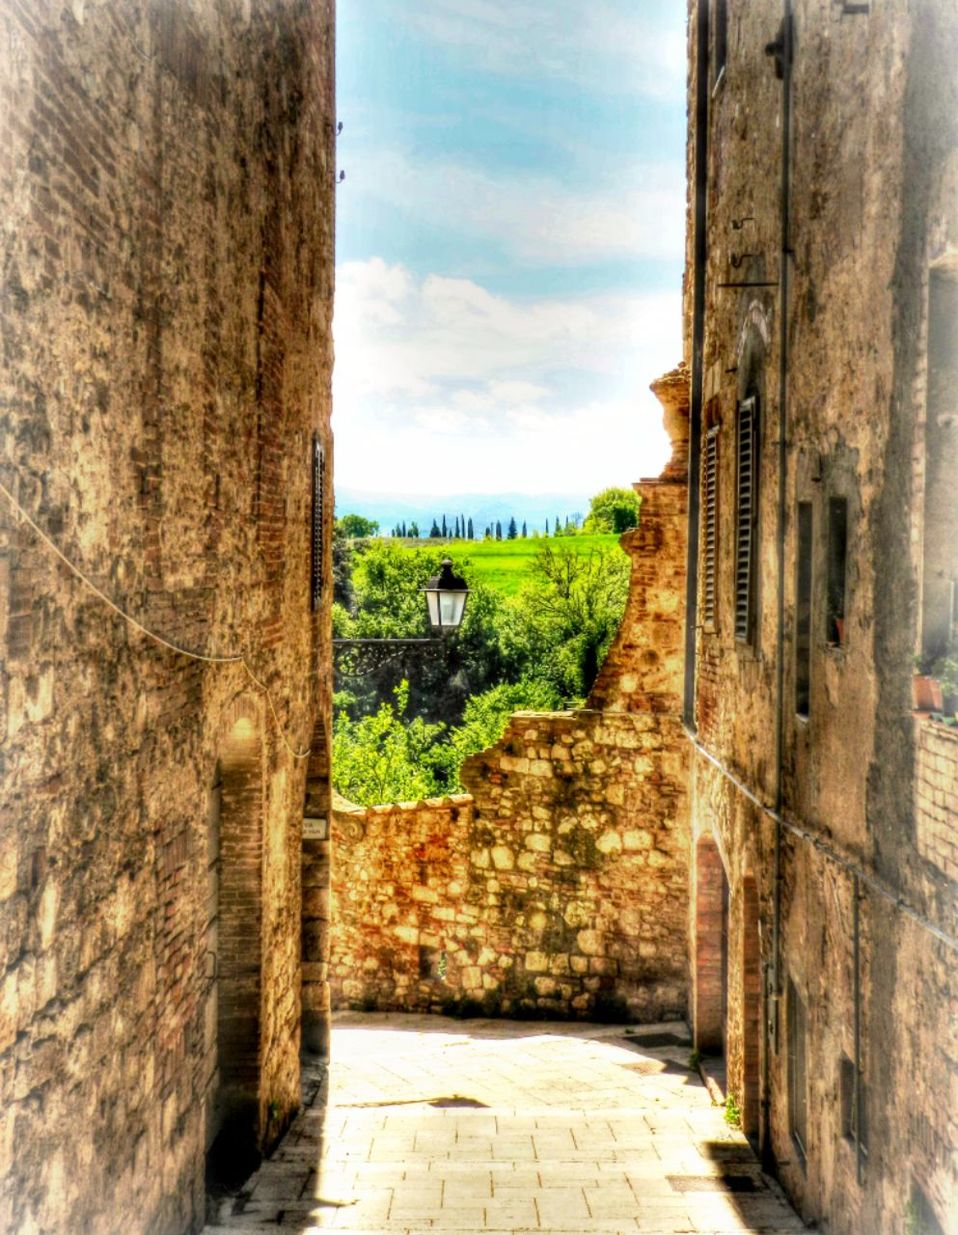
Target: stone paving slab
{"type": "Point", "coordinates": [508, 1128]}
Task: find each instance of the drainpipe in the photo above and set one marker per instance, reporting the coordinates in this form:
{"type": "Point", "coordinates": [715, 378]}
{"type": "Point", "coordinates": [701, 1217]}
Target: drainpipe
{"type": "Point", "coordinates": [700, 255]}
{"type": "Point", "coordinates": [782, 50]}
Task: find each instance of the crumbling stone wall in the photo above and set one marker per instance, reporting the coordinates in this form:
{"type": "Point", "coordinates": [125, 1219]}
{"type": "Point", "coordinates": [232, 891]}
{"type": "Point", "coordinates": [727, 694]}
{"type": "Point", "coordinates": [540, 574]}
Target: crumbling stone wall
{"type": "Point", "coordinates": [558, 885]}
{"type": "Point", "coordinates": [855, 896]}
{"type": "Point", "coordinates": [166, 256]}
{"type": "Point", "coordinates": [556, 888]}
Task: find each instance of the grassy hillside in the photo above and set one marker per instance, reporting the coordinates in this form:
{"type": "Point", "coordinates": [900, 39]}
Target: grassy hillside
{"type": "Point", "coordinates": [501, 564]}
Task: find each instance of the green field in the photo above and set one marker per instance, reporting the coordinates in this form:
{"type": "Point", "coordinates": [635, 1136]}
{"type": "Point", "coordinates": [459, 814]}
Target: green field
{"type": "Point", "coordinates": [502, 564]}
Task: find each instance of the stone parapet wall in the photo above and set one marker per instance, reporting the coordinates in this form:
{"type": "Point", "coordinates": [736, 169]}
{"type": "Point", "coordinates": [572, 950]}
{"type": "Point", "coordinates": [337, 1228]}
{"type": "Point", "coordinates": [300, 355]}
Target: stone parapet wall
{"type": "Point", "coordinates": [556, 888]}
{"type": "Point", "coordinates": [936, 795]}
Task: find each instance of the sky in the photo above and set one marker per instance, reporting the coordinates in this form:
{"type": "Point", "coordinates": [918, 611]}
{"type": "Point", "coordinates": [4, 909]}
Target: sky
{"type": "Point", "coordinates": [509, 242]}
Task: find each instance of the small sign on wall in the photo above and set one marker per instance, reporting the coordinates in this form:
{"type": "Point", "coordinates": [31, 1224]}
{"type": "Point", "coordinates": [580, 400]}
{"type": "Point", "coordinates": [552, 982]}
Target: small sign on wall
{"type": "Point", "coordinates": [315, 828]}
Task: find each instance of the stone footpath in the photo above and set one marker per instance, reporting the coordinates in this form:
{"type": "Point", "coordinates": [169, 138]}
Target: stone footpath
{"type": "Point", "coordinates": [502, 1126]}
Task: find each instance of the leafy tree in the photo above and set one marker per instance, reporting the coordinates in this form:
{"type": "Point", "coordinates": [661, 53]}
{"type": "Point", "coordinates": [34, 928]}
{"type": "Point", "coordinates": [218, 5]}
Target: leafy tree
{"type": "Point", "coordinates": [483, 723]}
{"type": "Point", "coordinates": [498, 530]}
{"type": "Point", "coordinates": [386, 757]}
{"type": "Point", "coordinates": [560, 626]}
{"type": "Point", "coordinates": [470, 534]}
{"type": "Point", "coordinates": [356, 526]}
{"type": "Point", "coordinates": [613, 510]}
{"type": "Point", "coordinates": [414, 530]}
{"type": "Point", "coordinates": [434, 532]}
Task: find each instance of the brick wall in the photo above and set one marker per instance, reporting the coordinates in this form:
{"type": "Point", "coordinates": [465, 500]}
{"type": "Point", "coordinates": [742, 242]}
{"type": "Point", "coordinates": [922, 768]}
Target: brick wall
{"type": "Point", "coordinates": [936, 795]}
{"type": "Point", "coordinates": [165, 303]}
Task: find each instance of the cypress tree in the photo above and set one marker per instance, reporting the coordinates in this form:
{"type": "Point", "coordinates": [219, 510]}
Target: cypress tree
{"type": "Point", "coordinates": [434, 532]}
{"type": "Point", "coordinates": [513, 531]}
{"type": "Point", "coordinates": [444, 532]}
{"type": "Point", "coordinates": [469, 532]}
{"type": "Point", "coordinates": [498, 530]}
{"type": "Point", "coordinates": [525, 530]}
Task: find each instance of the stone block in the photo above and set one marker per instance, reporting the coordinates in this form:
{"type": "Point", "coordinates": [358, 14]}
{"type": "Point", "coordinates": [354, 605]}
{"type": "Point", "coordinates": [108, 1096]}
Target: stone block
{"type": "Point", "coordinates": [590, 942]}
{"type": "Point", "coordinates": [503, 858]}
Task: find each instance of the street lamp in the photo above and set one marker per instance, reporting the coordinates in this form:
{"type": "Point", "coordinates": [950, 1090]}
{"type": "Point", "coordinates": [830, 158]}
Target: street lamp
{"type": "Point", "coordinates": [446, 597]}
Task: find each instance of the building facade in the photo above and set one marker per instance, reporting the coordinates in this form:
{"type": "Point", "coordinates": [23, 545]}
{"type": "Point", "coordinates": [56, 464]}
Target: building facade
{"type": "Point", "coordinates": [167, 241]}
{"type": "Point", "coordinates": [822, 339]}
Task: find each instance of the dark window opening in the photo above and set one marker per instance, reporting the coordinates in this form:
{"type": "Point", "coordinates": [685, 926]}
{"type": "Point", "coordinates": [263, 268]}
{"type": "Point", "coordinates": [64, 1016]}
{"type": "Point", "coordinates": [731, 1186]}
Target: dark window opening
{"type": "Point", "coordinates": [922, 1219]}
{"type": "Point", "coordinates": [854, 1121]}
{"type": "Point", "coordinates": [746, 527]}
{"type": "Point", "coordinates": [837, 554]}
{"type": "Point", "coordinates": [803, 611]}
{"type": "Point", "coordinates": [797, 1074]}
{"type": "Point", "coordinates": [710, 525]}
{"type": "Point", "coordinates": [721, 41]}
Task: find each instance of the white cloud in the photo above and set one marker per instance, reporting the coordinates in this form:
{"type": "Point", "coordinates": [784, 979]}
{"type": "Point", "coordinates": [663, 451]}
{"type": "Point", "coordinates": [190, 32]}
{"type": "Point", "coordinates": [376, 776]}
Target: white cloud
{"type": "Point", "coordinates": [619, 47]}
{"type": "Point", "coordinates": [525, 396]}
{"type": "Point", "coordinates": [537, 219]}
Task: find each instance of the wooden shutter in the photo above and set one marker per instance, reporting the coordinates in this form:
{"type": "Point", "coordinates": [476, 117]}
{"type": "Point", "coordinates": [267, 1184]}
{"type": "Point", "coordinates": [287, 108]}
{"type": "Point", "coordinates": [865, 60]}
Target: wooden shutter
{"type": "Point", "coordinates": [746, 509]}
{"type": "Point", "coordinates": [319, 494]}
{"type": "Point", "coordinates": [710, 524]}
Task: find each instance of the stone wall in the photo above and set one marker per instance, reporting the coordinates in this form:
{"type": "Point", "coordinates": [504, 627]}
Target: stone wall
{"type": "Point", "coordinates": [558, 886]}
{"type": "Point", "coordinates": [847, 900]}
{"type": "Point", "coordinates": [164, 310]}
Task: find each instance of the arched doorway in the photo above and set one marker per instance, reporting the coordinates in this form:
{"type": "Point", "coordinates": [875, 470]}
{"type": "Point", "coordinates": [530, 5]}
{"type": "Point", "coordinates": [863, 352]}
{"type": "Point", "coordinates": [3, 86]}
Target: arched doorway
{"type": "Point", "coordinates": [233, 944]}
{"type": "Point", "coordinates": [711, 948]}
{"type": "Point", "coordinates": [751, 1007]}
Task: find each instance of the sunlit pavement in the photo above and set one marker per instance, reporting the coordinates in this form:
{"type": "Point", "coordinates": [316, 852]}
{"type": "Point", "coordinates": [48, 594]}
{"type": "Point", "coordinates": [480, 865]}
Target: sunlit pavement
{"type": "Point", "coordinates": [440, 1125]}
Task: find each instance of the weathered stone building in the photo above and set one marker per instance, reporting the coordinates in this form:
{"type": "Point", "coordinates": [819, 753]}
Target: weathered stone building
{"type": "Point", "coordinates": [822, 338]}
{"type": "Point", "coordinates": [167, 239]}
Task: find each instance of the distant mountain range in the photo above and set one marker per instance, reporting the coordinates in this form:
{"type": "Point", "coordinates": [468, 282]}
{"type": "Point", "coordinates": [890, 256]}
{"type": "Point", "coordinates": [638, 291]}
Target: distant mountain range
{"type": "Point", "coordinates": [484, 509]}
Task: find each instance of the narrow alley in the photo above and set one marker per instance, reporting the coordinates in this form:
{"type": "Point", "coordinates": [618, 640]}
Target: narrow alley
{"type": "Point", "coordinates": [505, 1126]}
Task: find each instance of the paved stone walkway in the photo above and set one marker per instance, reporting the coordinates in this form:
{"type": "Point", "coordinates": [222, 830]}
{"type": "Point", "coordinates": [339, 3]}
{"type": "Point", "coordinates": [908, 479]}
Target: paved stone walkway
{"type": "Point", "coordinates": [497, 1126]}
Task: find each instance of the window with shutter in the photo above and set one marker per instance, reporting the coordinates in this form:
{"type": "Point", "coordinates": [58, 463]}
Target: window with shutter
{"type": "Point", "coordinates": [803, 610]}
{"type": "Point", "coordinates": [746, 514]}
{"type": "Point", "coordinates": [797, 1073]}
{"type": "Point", "coordinates": [319, 492]}
{"type": "Point", "coordinates": [837, 554]}
{"type": "Point", "coordinates": [709, 524]}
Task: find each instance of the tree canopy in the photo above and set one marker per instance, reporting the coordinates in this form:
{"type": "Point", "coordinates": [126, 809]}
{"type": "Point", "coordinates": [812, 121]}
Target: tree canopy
{"type": "Point", "coordinates": [613, 510]}
{"type": "Point", "coordinates": [356, 526]}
